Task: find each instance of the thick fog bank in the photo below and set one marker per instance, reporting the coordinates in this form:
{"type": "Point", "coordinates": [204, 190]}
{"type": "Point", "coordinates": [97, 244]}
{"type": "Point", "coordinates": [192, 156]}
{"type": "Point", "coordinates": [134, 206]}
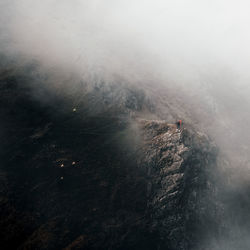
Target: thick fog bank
{"type": "Point", "coordinates": [197, 49]}
{"type": "Point", "coordinates": [175, 40]}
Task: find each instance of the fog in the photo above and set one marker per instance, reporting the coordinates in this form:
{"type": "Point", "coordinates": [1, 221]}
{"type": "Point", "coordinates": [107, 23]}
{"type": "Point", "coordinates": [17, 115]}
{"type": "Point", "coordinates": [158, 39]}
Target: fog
{"type": "Point", "coordinates": [197, 49]}
{"type": "Point", "coordinates": [175, 40]}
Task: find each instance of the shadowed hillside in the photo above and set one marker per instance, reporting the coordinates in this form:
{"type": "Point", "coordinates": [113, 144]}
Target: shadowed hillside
{"type": "Point", "coordinates": [92, 175]}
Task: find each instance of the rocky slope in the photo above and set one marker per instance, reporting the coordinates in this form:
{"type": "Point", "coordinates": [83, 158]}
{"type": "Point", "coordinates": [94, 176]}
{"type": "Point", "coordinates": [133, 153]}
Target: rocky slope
{"type": "Point", "coordinates": [97, 176]}
{"type": "Point", "coordinates": [182, 192]}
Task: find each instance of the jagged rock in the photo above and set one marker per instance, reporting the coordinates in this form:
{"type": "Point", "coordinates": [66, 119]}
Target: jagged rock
{"type": "Point", "coordinates": [180, 189]}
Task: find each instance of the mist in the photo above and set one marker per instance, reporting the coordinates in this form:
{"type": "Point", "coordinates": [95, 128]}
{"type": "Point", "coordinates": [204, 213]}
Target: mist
{"type": "Point", "coordinates": [197, 48]}
{"type": "Point", "coordinates": [173, 39]}
{"type": "Point", "coordinates": [197, 51]}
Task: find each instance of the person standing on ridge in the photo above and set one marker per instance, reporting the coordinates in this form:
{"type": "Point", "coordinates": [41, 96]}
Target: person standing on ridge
{"type": "Point", "coordinates": [178, 124]}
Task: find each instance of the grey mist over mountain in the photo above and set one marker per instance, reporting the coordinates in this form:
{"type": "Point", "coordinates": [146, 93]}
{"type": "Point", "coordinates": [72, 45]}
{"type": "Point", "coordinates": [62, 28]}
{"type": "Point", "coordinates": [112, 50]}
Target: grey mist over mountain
{"type": "Point", "coordinates": [197, 48]}
{"type": "Point", "coordinates": [85, 80]}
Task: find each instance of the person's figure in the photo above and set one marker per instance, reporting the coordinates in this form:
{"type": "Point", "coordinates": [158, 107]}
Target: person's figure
{"type": "Point", "coordinates": [178, 124]}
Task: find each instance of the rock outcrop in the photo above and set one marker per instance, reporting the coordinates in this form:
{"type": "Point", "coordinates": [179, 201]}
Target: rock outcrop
{"type": "Point", "coordinates": [181, 190]}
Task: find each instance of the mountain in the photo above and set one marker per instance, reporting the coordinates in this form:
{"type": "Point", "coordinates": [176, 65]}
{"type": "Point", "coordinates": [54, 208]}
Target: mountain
{"type": "Point", "coordinates": [103, 166]}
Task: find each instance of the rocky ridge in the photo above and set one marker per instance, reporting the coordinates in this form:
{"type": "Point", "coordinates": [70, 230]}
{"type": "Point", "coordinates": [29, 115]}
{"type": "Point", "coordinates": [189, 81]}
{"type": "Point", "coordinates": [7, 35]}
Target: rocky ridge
{"type": "Point", "coordinates": [181, 190]}
{"type": "Point", "coordinates": [79, 179]}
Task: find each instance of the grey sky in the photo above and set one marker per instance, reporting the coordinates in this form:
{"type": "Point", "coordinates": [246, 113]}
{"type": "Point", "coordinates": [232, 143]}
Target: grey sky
{"type": "Point", "coordinates": [167, 37]}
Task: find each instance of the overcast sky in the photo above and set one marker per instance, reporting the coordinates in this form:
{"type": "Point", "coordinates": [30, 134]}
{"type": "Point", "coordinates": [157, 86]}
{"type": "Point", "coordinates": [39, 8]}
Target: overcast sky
{"type": "Point", "coordinates": [168, 38]}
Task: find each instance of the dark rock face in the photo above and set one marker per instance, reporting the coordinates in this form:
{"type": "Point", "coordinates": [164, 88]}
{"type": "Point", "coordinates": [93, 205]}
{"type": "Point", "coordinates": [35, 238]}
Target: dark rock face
{"type": "Point", "coordinates": [72, 179]}
{"type": "Point", "coordinates": [181, 192]}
